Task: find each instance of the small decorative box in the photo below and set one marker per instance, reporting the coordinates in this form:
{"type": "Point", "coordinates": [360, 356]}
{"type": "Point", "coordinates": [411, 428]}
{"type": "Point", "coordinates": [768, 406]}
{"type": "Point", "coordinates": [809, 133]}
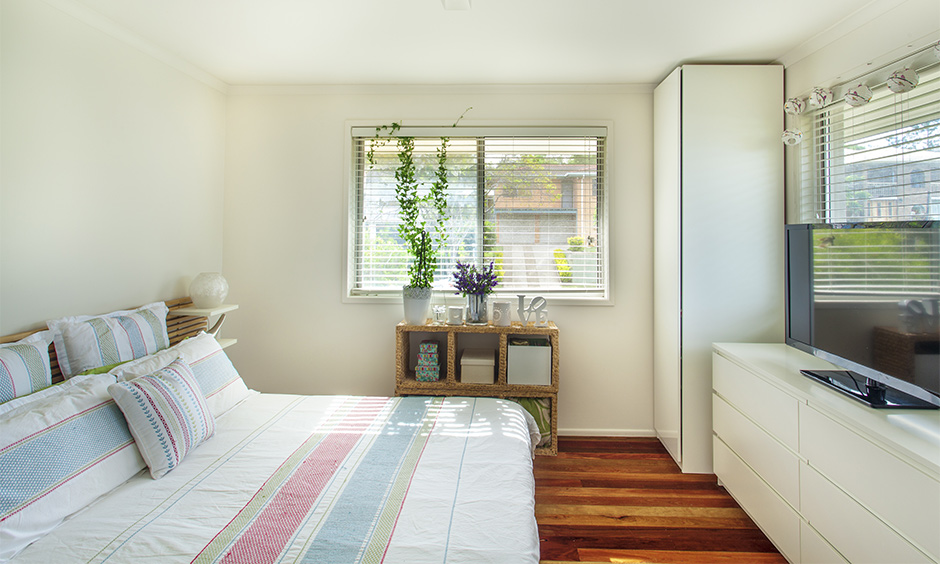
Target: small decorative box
{"type": "Point", "coordinates": [477, 366]}
{"type": "Point", "coordinates": [428, 347]}
{"type": "Point", "coordinates": [428, 373]}
{"type": "Point", "coordinates": [427, 359]}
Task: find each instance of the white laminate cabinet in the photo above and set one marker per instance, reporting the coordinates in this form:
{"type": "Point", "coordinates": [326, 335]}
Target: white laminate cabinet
{"type": "Point", "coordinates": [850, 527]}
{"type": "Point", "coordinates": [759, 500]}
{"type": "Point", "coordinates": [862, 483]}
{"type": "Point", "coordinates": [815, 550]}
{"type": "Point", "coordinates": [861, 467]}
{"type": "Point", "coordinates": [772, 460]}
{"type": "Point", "coordinates": [759, 401]}
{"type": "Point", "coordinates": [718, 236]}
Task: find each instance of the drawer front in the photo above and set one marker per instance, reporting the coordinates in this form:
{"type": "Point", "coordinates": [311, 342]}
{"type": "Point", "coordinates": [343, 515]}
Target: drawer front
{"type": "Point", "coordinates": [897, 492]}
{"type": "Point", "coordinates": [778, 520]}
{"type": "Point", "coordinates": [815, 550]}
{"type": "Point", "coordinates": [769, 406]}
{"type": "Point", "coordinates": [772, 461]}
{"type": "Point", "coordinates": [850, 528]}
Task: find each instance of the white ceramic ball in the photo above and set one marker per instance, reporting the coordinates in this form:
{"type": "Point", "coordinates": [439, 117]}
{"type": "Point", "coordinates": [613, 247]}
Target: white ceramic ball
{"type": "Point", "coordinates": [903, 80]}
{"type": "Point", "coordinates": [208, 290]}
{"type": "Point", "coordinates": [819, 98]}
{"type": "Point", "coordinates": [794, 106]}
{"type": "Point", "coordinates": [792, 137]}
{"type": "Point", "coordinates": [858, 95]}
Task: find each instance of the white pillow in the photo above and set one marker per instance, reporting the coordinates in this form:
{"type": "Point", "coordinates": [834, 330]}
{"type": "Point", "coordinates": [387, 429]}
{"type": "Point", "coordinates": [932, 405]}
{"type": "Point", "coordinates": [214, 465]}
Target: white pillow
{"type": "Point", "coordinates": [83, 342]}
{"type": "Point", "coordinates": [147, 364]}
{"type": "Point", "coordinates": [167, 414]}
{"type": "Point", "coordinates": [14, 405]}
{"type": "Point", "coordinates": [60, 449]}
{"type": "Point", "coordinates": [24, 366]}
{"type": "Point", "coordinates": [220, 383]}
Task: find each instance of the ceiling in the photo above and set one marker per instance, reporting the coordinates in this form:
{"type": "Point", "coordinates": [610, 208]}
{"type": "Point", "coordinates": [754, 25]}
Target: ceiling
{"type": "Point", "coordinates": [494, 42]}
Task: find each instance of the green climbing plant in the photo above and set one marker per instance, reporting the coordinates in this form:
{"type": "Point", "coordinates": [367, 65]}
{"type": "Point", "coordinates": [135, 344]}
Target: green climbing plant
{"type": "Point", "coordinates": [424, 242]}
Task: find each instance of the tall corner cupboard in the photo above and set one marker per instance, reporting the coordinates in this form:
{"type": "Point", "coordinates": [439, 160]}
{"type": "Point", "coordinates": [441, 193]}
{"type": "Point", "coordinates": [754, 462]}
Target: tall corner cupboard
{"type": "Point", "coordinates": [718, 237]}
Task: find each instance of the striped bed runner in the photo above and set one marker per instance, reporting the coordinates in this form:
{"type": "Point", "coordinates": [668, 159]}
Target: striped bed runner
{"type": "Point", "coordinates": [338, 496]}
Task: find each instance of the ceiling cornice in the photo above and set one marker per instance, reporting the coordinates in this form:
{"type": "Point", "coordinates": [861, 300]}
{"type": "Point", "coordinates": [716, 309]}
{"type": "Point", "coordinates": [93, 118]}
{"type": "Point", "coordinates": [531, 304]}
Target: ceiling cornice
{"type": "Point", "coordinates": [841, 28]}
{"type": "Point", "coordinates": [419, 89]}
{"type": "Point", "coordinates": [119, 32]}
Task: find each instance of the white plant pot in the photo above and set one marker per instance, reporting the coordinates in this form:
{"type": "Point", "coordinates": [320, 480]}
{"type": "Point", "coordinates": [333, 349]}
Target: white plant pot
{"type": "Point", "coordinates": [416, 302]}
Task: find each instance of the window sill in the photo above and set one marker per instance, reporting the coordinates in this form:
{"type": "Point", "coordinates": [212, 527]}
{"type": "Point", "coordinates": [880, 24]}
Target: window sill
{"type": "Point", "coordinates": [449, 298]}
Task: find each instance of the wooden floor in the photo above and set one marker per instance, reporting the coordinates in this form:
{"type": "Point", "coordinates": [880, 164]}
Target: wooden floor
{"type": "Point", "coordinates": [625, 500]}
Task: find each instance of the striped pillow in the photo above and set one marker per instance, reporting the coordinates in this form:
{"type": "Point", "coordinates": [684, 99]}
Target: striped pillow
{"type": "Point", "coordinates": [24, 366]}
{"type": "Point", "coordinates": [166, 413]}
{"type": "Point", "coordinates": [84, 342]}
{"type": "Point", "coordinates": [60, 449]}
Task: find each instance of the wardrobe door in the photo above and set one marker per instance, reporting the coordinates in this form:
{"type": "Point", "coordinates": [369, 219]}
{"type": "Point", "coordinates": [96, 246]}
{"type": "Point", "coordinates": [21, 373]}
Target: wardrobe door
{"type": "Point", "coordinates": [667, 139]}
{"type": "Point", "coordinates": [718, 236]}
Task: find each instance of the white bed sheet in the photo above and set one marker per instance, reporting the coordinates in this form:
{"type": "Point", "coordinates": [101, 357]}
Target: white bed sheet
{"type": "Point", "coordinates": [461, 491]}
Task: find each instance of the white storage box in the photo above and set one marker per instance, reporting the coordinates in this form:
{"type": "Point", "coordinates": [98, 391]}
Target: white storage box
{"type": "Point", "coordinates": [529, 364]}
{"type": "Point", "coordinates": [477, 366]}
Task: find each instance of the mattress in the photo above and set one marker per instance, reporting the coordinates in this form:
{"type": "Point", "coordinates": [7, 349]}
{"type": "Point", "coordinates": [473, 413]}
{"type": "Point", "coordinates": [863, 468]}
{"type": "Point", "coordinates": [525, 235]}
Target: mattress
{"type": "Point", "coordinates": [326, 479]}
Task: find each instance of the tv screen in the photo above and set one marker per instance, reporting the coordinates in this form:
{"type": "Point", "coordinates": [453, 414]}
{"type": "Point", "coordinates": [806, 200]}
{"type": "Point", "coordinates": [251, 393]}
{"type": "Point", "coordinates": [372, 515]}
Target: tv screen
{"type": "Point", "coordinates": [867, 298]}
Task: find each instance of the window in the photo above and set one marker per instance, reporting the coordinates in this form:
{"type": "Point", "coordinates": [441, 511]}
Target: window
{"type": "Point", "coordinates": [531, 200]}
{"type": "Point", "coordinates": [876, 162]}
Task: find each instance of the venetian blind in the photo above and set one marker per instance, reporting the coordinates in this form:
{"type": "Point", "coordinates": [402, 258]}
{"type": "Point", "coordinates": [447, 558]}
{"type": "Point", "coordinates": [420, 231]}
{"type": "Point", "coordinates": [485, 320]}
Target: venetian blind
{"type": "Point", "coordinates": [530, 200]}
{"type": "Point", "coordinates": [876, 162]}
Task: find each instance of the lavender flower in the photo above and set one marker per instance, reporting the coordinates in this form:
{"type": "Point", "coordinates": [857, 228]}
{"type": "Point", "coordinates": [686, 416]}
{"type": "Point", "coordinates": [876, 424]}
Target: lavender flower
{"type": "Point", "coordinates": [468, 279]}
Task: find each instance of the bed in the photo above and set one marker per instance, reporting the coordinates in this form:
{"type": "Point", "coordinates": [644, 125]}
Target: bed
{"type": "Point", "coordinates": [277, 478]}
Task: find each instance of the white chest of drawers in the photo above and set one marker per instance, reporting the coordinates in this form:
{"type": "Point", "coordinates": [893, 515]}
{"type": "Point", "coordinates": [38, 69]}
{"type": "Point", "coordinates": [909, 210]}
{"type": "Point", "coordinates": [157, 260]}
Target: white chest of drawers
{"type": "Point", "coordinates": [826, 478]}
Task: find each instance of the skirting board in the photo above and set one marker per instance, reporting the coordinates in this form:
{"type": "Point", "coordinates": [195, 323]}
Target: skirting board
{"type": "Point", "coordinates": [607, 432]}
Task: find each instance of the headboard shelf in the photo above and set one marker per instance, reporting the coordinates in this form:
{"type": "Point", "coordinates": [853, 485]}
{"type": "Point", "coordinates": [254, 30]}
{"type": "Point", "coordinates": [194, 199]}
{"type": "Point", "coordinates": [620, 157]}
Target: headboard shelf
{"type": "Point", "coordinates": [17, 336]}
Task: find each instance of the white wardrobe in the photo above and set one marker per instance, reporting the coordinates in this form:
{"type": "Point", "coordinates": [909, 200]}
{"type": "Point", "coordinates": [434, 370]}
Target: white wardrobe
{"type": "Point", "coordinates": [718, 237]}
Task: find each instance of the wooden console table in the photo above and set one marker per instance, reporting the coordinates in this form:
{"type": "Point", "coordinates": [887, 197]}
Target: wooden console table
{"type": "Point", "coordinates": [453, 339]}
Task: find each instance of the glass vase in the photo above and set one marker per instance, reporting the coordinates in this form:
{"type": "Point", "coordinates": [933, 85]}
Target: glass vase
{"type": "Point", "coordinates": [476, 309]}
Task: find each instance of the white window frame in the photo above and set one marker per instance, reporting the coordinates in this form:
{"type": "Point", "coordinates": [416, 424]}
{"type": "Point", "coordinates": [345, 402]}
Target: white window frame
{"type": "Point", "coordinates": [468, 127]}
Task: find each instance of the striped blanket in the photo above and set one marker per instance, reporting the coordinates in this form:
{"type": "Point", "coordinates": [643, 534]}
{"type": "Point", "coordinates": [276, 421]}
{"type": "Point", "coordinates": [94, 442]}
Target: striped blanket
{"type": "Point", "coordinates": [327, 479]}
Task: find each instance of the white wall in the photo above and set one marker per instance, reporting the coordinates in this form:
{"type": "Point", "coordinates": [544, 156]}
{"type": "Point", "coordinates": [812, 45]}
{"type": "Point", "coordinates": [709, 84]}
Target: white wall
{"type": "Point", "coordinates": [283, 247]}
{"type": "Point", "coordinates": [111, 187]}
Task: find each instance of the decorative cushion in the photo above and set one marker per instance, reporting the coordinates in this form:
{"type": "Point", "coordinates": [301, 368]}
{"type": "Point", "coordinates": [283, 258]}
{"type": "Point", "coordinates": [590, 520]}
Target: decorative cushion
{"type": "Point", "coordinates": [24, 366]}
{"type": "Point", "coordinates": [167, 414]}
{"type": "Point", "coordinates": [218, 380]}
{"type": "Point", "coordinates": [84, 342]}
{"type": "Point", "coordinates": [60, 449]}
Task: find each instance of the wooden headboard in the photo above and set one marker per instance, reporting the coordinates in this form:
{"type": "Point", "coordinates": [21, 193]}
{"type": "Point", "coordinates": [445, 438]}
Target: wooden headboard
{"type": "Point", "coordinates": [177, 327]}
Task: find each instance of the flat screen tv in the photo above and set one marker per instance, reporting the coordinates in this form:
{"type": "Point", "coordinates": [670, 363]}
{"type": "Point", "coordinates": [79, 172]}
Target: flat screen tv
{"type": "Point", "coordinates": [866, 297]}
